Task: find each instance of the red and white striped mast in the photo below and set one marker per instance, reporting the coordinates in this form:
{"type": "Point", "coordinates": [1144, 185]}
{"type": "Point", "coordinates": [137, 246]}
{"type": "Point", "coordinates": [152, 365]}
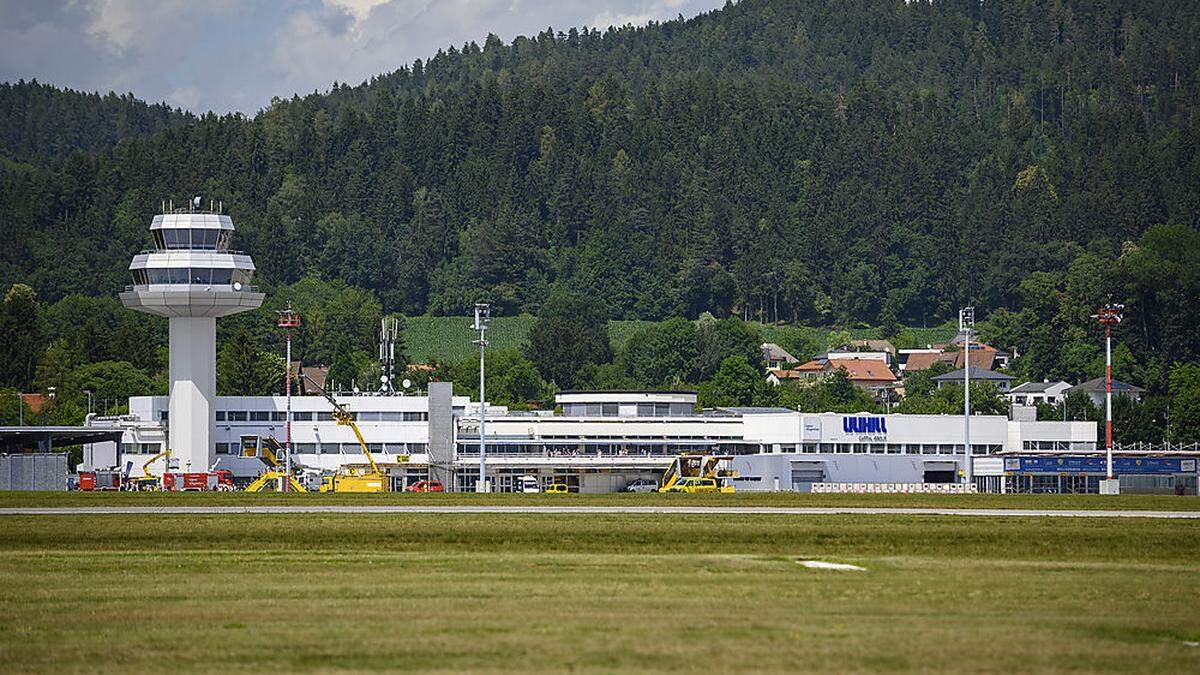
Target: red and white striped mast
{"type": "Point", "coordinates": [1109, 315]}
{"type": "Point", "coordinates": [289, 320]}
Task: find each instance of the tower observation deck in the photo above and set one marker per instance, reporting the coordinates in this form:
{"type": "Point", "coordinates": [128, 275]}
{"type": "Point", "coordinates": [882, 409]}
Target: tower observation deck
{"type": "Point", "coordinates": [192, 277]}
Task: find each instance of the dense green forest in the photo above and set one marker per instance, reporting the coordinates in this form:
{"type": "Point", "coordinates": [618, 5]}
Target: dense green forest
{"type": "Point", "coordinates": [818, 162]}
{"type": "Point", "coordinates": [39, 122]}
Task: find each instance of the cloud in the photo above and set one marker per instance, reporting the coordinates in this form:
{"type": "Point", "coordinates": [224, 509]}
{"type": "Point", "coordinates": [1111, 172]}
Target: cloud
{"type": "Point", "coordinates": [227, 55]}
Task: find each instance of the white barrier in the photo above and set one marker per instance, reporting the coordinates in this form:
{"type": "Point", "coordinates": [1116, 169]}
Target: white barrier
{"type": "Point", "coordinates": [894, 488]}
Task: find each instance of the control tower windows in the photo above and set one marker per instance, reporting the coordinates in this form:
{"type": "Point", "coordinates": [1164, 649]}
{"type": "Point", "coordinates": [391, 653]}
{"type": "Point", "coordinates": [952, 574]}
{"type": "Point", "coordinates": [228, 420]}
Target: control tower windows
{"type": "Point", "coordinates": [191, 275]}
{"type": "Point", "coordinates": [201, 239]}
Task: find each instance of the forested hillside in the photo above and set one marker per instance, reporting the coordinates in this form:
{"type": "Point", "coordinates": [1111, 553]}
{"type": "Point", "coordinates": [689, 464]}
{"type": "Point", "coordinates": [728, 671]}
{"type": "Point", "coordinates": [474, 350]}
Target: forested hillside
{"type": "Point", "coordinates": [813, 161]}
{"type": "Point", "coordinates": [40, 122]}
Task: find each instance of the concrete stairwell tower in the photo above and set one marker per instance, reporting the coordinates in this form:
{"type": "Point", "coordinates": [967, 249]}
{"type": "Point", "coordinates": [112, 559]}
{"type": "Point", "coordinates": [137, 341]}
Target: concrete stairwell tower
{"type": "Point", "coordinates": [192, 277]}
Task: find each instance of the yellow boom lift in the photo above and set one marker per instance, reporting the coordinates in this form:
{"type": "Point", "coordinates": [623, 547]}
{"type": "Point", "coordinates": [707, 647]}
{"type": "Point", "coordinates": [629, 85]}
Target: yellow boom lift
{"type": "Point", "coordinates": [269, 452]}
{"type": "Point", "coordinates": [351, 478]}
{"type": "Point", "coordinates": [146, 481]}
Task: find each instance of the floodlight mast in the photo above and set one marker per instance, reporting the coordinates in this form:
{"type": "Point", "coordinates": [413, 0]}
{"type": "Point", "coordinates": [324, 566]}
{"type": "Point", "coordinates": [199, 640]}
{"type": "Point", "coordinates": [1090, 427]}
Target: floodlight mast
{"type": "Point", "coordinates": [289, 320]}
{"type": "Point", "coordinates": [966, 324]}
{"type": "Point", "coordinates": [483, 319]}
{"type": "Point", "coordinates": [1109, 315]}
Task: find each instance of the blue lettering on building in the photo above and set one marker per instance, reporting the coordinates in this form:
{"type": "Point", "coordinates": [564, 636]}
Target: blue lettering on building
{"type": "Point", "coordinates": [864, 425]}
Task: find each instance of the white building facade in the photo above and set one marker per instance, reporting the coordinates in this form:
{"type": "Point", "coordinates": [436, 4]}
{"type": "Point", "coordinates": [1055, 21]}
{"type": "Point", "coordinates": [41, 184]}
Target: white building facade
{"type": "Point", "coordinates": [600, 442]}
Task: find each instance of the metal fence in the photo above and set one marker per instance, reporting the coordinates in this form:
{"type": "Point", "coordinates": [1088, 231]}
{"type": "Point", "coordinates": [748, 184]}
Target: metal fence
{"type": "Point", "coordinates": [34, 471]}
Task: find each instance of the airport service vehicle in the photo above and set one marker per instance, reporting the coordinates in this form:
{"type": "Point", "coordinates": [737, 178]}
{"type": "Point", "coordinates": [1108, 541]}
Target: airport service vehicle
{"type": "Point", "coordinates": [692, 485]}
{"type": "Point", "coordinates": [99, 480]}
{"type": "Point", "coordinates": [557, 489]}
{"type": "Point", "coordinates": [269, 451]}
{"type": "Point", "coordinates": [528, 484]}
{"type": "Point", "coordinates": [146, 481]}
{"type": "Point", "coordinates": [642, 485]}
{"type": "Point", "coordinates": [352, 478]}
{"type": "Point", "coordinates": [426, 486]}
{"type": "Point", "coordinates": [698, 473]}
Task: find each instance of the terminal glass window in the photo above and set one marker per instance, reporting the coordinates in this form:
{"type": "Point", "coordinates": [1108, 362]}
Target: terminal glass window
{"type": "Point", "coordinates": [302, 416]}
{"type": "Point", "coordinates": [609, 409]}
{"type": "Point", "coordinates": [223, 449]}
{"type": "Point", "coordinates": [260, 416]}
{"type": "Point", "coordinates": [305, 448]}
{"type": "Point", "coordinates": [415, 416]}
{"type": "Point", "coordinates": [220, 415]}
{"type": "Point", "coordinates": [237, 415]}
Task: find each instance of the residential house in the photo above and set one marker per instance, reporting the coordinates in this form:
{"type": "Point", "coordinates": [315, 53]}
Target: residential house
{"type": "Point", "coordinates": [872, 375]}
{"type": "Point", "coordinates": [1003, 382]}
{"type": "Point", "coordinates": [1033, 393]}
{"type": "Point", "coordinates": [875, 346]}
{"type": "Point", "coordinates": [1095, 390]}
{"type": "Point", "coordinates": [776, 357]}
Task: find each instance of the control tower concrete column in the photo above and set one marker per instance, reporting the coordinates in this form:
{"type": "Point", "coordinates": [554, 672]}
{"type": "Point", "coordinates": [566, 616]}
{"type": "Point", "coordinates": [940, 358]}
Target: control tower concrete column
{"type": "Point", "coordinates": [193, 375]}
{"type": "Point", "coordinates": [192, 278]}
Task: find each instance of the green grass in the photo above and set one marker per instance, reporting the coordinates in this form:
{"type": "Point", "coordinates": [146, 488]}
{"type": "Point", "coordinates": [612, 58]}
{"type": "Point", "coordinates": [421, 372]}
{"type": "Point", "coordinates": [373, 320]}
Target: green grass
{"type": "Point", "coordinates": [759, 499]}
{"type": "Point", "coordinates": [448, 338]}
{"type": "Point", "coordinates": [610, 593]}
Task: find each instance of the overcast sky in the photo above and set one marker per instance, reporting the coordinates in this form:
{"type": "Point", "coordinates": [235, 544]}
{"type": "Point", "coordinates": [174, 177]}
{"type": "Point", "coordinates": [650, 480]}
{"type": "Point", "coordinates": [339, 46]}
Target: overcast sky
{"type": "Point", "coordinates": [228, 55]}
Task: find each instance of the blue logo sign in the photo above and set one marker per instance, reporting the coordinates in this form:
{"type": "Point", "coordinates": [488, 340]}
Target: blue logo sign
{"type": "Point", "coordinates": [864, 425]}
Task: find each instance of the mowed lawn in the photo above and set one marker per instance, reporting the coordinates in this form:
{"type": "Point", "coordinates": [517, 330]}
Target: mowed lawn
{"type": "Point", "coordinates": [597, 592]}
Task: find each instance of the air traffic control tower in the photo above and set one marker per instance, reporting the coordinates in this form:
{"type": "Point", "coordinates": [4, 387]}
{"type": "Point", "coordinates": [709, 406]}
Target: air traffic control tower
{"type": "Point", "coordinates": [192, 277]}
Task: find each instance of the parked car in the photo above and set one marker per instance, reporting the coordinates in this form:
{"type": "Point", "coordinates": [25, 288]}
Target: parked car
{"type": "Point", "coordinates": [693, 485]}
{"type": "Point", "coordinates": [426, 486]}
{"type": "Point", "coordinates": [642, 485]}
{"type": "Point", "coordinates": [557, 489]}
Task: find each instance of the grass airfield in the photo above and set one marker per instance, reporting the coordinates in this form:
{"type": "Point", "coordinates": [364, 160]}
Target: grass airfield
{"type": "Point", "coordinates": [611, 592]}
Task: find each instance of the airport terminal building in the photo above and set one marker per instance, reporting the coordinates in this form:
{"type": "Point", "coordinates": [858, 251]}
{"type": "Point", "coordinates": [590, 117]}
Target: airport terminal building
{"type": "Point", "coordinates": [595, 442]}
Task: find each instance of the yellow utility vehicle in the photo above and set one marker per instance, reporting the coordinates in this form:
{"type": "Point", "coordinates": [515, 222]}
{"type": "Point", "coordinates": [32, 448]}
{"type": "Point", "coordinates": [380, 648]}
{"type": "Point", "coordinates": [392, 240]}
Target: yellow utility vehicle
{"type": "Point", "coordinates": [352, 478]}
{"type": "Point", "coordinates": [269, 450]}
{"type": "Point", "coordinates": [146, 481]}
{"type": "Point", "coordinates": [698, 473]}
{"type": "Point", "coordinates": [692, 485]}
{"type": "Point", "coordinates": [557, 489]}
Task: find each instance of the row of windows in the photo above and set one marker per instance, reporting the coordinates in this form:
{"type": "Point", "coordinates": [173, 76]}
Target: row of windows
{"type": "Point", "coordinates": [469, 449]}
{"type": "Point", "coordinates": [191, 275]}
{"type": "Point", "coordinates": [896, 448]}
{"type": "Point", "coordinates": [141, 448]}
{"type": "Point", "coordinates": [338, 448]}
{"type": "Point", "coordinates": [193, 238]}
{"type": "Point", "coordinates": [309, 416]}
{"type": "Point", "coordinates": [614, 409]}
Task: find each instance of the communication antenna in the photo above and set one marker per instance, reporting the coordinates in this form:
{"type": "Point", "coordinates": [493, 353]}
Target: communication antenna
{"type": "Point", "coordinates": [389, 333]}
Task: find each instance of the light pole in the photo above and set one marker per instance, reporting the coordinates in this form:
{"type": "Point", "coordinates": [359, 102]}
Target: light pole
{"type": "Point", "coordinates": [483, 318]}
{"type": "Point", "coordinates": [966, 324]}
{"type": "Point", "coordinates": [289, 320]}
{"type": "Point", "coordinates": [89, 395]}
{"type": "Point", "coordinates": [1109, 315]}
